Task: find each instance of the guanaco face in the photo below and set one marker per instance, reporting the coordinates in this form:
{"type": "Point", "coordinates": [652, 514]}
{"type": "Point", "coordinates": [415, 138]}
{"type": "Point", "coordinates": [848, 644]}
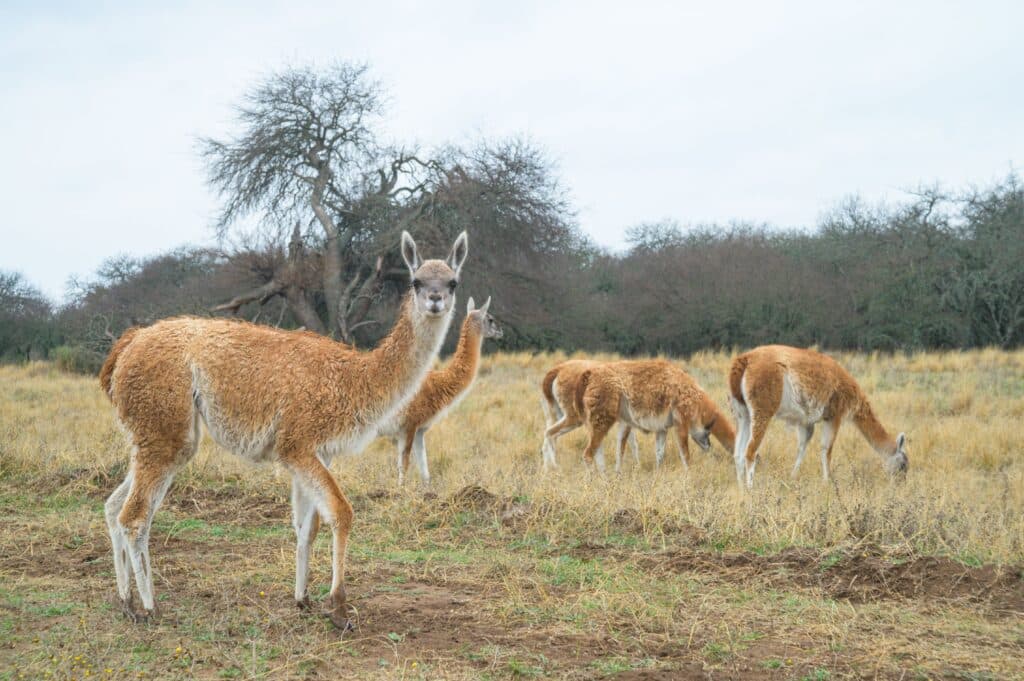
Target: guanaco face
{"type": "Point", "coordinates": [486, 325]}
{"type": "Point", "coordinates": [434, 281]}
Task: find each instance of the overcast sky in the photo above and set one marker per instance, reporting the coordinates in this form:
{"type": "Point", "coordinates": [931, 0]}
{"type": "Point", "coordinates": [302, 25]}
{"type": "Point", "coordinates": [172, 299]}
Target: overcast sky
{"type": "Point", "coordinates": [695, 111]}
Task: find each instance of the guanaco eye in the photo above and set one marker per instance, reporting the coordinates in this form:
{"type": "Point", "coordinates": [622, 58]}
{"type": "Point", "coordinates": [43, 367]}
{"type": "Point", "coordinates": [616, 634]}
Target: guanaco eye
{"type": "Point", "coordinates": [452, 284]}
{"type": "Point", "coordinates": [417, 284]}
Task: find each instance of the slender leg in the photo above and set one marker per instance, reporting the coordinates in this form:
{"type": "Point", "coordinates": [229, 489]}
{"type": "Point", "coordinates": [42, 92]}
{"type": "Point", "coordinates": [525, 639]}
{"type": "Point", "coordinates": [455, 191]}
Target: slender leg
{"type": "Point", "coordinates": [683, 443]}
{"type": "Point", "coordinates": [599, 427]}
{"type": "Point", "coordinates": [306, 523]}
{"type": "Point", "coordinates": [829, 430]}
{"type": "Point", "coordinates": [633, 446]}
{"type": "Point", "coordinates": [742, 438]}
{"type": "Point", "coordinates": [419, 449]}
{"type": "Point", "coordinates": [759, 426]}
{"type": "Point", "coordinates": [659, 448]}
{"type": "Point", "coordinates": [334, 509]}
{"type": "Point", "coordinates": [803, 436]}
{"type": "Point", "coordinates": [625, 433]}
{"type": "Point", "coordinates": [552, 433]}
{"type": "Point", "coordinates": [122, 564]}
{"type": "Point", "coordinates": [405, 444]}
{"type": "Point", "coordinates": [151, 477]}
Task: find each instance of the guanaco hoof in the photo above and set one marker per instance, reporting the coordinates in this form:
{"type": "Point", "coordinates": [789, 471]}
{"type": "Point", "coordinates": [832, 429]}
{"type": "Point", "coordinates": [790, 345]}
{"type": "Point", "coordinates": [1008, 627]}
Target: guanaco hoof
{"type": "Point", "coordinates": [340, 613]}
{"type": "Point", "coordinates": [133, 615]}
{"type": "Point", "coordinates": [304, 603]}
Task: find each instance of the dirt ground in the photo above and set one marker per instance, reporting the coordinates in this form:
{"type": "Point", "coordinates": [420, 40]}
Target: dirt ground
{"type": "Point", "coordinates": [493, 609]}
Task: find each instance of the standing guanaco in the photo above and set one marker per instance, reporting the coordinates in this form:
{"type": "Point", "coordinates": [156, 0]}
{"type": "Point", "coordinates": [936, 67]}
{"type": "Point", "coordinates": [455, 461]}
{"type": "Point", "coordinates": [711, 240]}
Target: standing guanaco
{"type": "Point", "coordinates": [266, 395]}
{"type": "Point", "coordinates": [442, 390]}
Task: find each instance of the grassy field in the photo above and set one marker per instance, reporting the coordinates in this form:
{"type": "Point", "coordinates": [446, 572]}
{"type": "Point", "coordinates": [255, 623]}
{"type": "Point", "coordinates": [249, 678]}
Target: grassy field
{"type": "Point", "coordinates": [503, 572]}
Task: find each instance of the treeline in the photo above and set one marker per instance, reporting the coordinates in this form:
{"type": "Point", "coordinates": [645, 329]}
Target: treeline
{"type": "Point", "coordinates": [330, 193]}
{"type": "Point", "coordinates": [939, 271]}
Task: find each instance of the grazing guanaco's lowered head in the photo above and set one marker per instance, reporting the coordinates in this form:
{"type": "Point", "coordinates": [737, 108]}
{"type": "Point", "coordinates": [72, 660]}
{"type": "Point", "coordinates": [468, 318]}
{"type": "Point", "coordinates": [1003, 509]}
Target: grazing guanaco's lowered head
{"type": "Point", "coordinates": [898, 463]}
{"type": "Point", "coordinates": [485, 324]}
{"type": "Point", "coordinates": [434, 281]}
{"type": "Point", "coordinates": [701, 434]}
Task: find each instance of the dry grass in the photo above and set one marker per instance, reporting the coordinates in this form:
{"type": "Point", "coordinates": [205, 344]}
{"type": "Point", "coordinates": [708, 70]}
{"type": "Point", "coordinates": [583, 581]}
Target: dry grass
{"type": "Point", "coordinates": [571, 574]}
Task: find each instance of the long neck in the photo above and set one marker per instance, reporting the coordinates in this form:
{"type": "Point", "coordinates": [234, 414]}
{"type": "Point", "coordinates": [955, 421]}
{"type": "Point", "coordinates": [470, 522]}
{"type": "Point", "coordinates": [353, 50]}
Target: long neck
{"type": "Point", "coordinates": [872, 430]}
{"type": "Point", "coordinates": [399, 363]}
{"type": "Point", "coordinates": [461, 371]}
{"type": "Point", "coordinates": [721, 428]}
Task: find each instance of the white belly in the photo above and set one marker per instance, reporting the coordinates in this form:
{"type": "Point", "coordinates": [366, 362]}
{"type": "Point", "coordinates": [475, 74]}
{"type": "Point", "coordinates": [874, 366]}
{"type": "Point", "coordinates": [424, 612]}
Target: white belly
{"type": "Point", "coordinates": [796, 407]}
{"type": "Point", "coordinates": [647, 422]}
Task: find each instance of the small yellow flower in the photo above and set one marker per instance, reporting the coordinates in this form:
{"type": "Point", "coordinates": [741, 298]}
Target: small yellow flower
{"type": "Point", "coordinates": [262, 594]}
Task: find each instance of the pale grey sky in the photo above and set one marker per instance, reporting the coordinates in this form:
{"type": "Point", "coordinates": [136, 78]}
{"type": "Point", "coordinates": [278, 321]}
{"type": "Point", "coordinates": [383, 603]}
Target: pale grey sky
{"type": "Point", "coordinates": [765, 111]}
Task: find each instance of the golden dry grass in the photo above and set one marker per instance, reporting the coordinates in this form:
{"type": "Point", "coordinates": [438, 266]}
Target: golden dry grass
{"type": "Point", "coordinates": [568, 574]}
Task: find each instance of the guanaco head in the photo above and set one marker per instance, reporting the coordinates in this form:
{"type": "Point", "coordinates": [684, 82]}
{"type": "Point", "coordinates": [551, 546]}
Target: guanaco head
{"type": "Point", "coordinates": [701, 433]}
{"type": "Point", "coordinates": [898, 463]}
{"type": "Point", "coordinates": [434, 281]}
{"type": "Point", "coordinates": [484, 322]}
{"type": "Point", "coordinates": [702, 423]}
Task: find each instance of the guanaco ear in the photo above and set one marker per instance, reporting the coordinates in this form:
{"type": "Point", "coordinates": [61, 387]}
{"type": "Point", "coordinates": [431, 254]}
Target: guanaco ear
{"type": "Point", "coordinates": [901, 440]}
{"type": "Point", "coordinates": [487, 304]}
{"type": "Point", "coordinates": [470, 306]}
{"type": "Point", "coordinates": [458, 255]}
{"type": "Point", "coordinates": [409, 254]}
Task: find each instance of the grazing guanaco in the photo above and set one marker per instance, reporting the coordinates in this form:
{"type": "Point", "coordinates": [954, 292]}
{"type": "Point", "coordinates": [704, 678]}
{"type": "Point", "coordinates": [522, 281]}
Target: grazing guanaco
{"type": "Point", "coordinates": [560, 415]}
{"type": "Point", "coordinates": [266, 395]}
{"type": "Point", "coordinates": [803, 388]}
{"type": "Point", "coordinates": [442, 390]}
{"type": "Point", "coordinates": [650, 395]}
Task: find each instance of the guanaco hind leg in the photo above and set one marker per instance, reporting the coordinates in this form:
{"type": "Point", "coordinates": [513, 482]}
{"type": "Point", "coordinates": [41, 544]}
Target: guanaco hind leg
{"type": "Point", "coordinates": [803, 437]}
{"type": "Point", "coordinates": [318, 485]}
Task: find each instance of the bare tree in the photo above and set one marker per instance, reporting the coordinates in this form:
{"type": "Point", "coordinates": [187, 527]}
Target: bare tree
{"type": "Point", "coordinates": [309, 145]}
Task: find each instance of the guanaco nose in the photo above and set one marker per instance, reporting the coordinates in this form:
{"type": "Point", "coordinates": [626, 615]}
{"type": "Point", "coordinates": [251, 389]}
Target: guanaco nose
{"type": "Point", "coordinates": [435, 297]}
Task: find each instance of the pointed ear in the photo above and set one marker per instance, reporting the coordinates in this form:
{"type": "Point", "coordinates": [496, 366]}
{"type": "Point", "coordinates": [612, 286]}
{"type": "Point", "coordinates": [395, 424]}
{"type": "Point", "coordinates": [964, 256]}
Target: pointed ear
{"type": "Point", "coordinates": [458, 255]}
{"type": "Point", "coordinates": [901, 440]}
{"type": "Point", "coordinates": [487, 304]}
{"type": "Point", "coordinates": [470, 306]}
{"type": "Point", "coordinates": [409, 254]}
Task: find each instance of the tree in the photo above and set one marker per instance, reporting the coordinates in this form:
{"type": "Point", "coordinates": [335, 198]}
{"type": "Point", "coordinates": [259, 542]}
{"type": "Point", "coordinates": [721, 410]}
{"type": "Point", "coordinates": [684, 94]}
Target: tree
{"type": "Point", "coordinates": [310, 155]}
{"type": "Point", "coordinates": [309, 145]}
{"type": "Point", "coordinates": [26, 319]}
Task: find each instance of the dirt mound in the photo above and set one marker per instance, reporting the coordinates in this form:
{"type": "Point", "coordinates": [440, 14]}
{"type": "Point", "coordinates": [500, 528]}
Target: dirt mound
{"type": "Point", "coordinates": [863, 576]}
{"type": "Point", "coordinates": [472, 498]}
{"type": "Point", "coordinates": [632, 521]}
{"type": "Point", "coordinates": [476, 498]}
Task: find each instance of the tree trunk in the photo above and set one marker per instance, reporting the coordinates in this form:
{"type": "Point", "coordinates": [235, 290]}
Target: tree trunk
{"type": "Point", "coordinates": [332, 265]}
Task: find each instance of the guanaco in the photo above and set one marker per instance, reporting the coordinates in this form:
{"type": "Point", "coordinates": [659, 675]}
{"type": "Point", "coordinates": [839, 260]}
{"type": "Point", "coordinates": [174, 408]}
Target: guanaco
{"type": "Point", "coordinates": [803, 388]}
{"type": "Point", "coordinates": [650, 395]}
{"type": "Point", "coordinates": [266, 395]}
{"type": "Point", "coordinates": [441, 391]}
{"type": "Point", "coordinates": [560, 415]}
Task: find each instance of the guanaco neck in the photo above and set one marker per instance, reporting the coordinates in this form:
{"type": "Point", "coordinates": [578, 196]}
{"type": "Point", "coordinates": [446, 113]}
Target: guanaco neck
{"type": "Point", "coordinates": [872, 430]}
{"type": "Point", "coordinates": [462, 370]}
{"type": "Point", "coordinates": [399, 363]}
{"type": "Point", "coordinates": [721, 428]}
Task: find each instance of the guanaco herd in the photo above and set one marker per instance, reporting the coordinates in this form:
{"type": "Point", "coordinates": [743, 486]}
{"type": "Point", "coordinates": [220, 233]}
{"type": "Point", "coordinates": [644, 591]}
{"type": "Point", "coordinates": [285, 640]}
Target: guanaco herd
{"type": "Point", "coordinates": [298, 398]}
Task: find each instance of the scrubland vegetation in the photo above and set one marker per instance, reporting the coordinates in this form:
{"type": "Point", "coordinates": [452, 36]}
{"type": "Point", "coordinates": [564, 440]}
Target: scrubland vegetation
{"type": "Point", "coordinates": [500, 571]}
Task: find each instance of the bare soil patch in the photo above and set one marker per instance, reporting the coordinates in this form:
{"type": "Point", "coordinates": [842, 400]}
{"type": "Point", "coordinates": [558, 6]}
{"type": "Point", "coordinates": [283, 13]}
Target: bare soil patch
{"type": "Point", "coordinates": [862, 576]}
